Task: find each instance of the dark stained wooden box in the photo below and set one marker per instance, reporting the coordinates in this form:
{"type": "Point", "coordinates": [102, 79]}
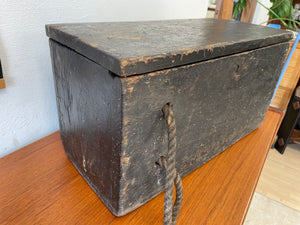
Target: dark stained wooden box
{"type": "Point", "coordinates": [112, 80]}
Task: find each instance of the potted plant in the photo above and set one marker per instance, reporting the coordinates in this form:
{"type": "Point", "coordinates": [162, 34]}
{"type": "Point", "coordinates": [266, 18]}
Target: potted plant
{"type": "Point", "coordinates": [281, 12]}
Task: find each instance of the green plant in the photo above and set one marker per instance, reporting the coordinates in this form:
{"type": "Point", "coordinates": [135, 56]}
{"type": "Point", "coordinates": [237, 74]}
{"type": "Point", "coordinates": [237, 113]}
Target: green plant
{"type": "Point", "coordinates": [281, 10]}
{"type": "Point", "coordinates": [238, 8]}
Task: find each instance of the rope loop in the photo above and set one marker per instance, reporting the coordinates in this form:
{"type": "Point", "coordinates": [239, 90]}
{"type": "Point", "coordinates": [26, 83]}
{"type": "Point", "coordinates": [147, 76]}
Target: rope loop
{"type": "Point", "coordinates": [172, 176]}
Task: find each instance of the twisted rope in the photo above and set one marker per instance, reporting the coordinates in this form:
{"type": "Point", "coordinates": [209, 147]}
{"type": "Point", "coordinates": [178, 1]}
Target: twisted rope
{"type": "Point", "coordinates": [172, 176]}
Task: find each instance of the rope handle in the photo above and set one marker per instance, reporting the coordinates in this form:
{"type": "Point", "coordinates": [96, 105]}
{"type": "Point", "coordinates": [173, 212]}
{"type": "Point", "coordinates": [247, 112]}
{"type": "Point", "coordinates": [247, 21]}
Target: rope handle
{"type": "Point", "coordinates": [172, 176]}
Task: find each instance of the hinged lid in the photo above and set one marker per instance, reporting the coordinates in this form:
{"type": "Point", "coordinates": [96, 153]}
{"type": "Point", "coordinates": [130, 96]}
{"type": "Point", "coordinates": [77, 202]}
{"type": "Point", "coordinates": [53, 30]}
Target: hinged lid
{"type": "Point", "coordinates": [128, 48]}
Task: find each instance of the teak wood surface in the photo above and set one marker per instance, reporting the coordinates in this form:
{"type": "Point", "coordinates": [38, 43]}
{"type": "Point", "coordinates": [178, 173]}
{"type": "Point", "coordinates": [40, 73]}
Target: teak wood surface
{"type": "Point", "coordinates": [2, 83]}
{"type": "Point", "coordinates": [288, 82]}
{"type": "Point", "coordinates": [39, 185]}
{"type": "Point", "coordinates": [227, 7]}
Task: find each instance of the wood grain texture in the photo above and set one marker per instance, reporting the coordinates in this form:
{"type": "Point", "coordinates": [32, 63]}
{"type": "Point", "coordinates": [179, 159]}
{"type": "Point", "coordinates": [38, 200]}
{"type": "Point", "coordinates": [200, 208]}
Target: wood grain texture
{"type": "Point", "coordinates": [204, 110]}
{"type": "Point", "coordinates": [227, 7]}
{"type": "Point", "coordinates": [288, 82]}
{"type": "Point", "coordinates": [39, 185]}
{"type": "Point", "coordinates": [218, 10]}
{"type": "Point", "coordinates": [128, 48]}
{"type": "Point", "coordinates": [2, 83]}
{"type": "Point", "coordinates": [113, 129]}
{"type": "Point", "coordinates": [89, 110]}
{"type": "Point", "coordinates": [248, 11]}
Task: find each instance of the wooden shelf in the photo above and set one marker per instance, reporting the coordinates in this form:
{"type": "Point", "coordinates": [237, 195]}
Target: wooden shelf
{"type": "Point", "coordinates": [2, 83]}
{"type": "Point", "coordinates": [288, 82]}
{"type": "Point", "coordinates": [39, 185]}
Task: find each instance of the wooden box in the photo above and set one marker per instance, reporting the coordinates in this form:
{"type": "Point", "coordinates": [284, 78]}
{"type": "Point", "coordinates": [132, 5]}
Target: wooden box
{"type": "Point", "coordinates": [112, 80]}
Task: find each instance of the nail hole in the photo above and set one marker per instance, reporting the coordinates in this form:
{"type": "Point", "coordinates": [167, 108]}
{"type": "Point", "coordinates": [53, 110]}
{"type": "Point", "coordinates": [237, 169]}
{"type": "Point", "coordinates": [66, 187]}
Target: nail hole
{"type": "Point", "coordinates": [159, 162]}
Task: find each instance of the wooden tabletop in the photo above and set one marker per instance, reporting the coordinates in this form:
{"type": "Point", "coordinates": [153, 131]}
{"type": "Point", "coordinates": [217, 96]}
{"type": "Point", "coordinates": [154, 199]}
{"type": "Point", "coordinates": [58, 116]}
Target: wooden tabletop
{"type": "Point", "coordinates": [289, 81]}
{"type": "Point", "coordinates": [39, 185]}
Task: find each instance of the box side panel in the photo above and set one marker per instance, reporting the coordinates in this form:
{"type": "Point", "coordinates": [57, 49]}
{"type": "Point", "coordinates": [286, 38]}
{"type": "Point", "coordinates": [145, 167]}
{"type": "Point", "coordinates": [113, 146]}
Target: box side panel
{"type": "Point", "coordinates": [89, 108]}
{"type": "Point", "coordinates": [216, 103]}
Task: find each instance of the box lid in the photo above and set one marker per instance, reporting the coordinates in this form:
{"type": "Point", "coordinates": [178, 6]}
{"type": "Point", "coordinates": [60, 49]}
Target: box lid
{"type": "Point", "coordinates": [129, 48]}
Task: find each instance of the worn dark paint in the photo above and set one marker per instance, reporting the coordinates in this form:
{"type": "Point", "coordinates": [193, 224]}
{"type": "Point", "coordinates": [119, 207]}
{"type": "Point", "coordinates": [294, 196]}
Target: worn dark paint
{"type": "Point", "coordinates": [211, 114]}
{"type": "Point", "coordinates": [288, 124]}
{"type": "Point", "coordinates": [128, 48]}
{"type": "Point", "coordinates": [89, 110]}
{"type": "Point", "coordinates": [112, 126]}
{"type": "Point", "coordinates": [216, 103]}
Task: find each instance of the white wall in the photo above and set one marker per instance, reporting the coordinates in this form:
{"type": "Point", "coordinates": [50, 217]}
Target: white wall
{"type": "Point", "coordinates": [261, 14]}
{"type": "Point", "coordinates": [27, 105]}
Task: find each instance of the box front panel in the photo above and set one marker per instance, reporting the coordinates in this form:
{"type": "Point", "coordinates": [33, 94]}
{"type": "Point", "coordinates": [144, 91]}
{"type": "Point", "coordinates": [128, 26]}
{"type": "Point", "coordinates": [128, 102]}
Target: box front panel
{"type": "Point", "coordinates": [216, 103]}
